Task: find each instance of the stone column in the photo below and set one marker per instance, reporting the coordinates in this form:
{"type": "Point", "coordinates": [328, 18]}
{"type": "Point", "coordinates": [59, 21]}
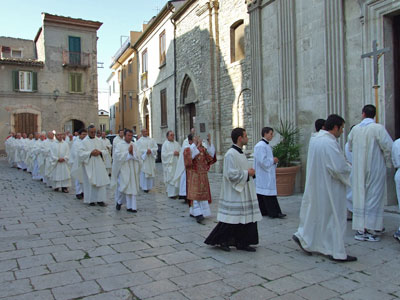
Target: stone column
{"type": "Point", "coordinates": [287, 61]}
{"type": "Point", "coordinates": [334, 53]}
{"type": "Point", "coordinates": [254, 10]}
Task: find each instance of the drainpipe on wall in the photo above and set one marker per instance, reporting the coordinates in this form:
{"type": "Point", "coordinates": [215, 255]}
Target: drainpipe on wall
{"type": "Point", "coordinates": [175, 100]}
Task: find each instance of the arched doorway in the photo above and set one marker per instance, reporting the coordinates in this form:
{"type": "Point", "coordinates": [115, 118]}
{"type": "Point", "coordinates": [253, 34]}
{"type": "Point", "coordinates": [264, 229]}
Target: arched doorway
{"type": "Point", "coordinates": [188, 100]}
{"type": "Point", "coordinates": [25, 123]}
{"type": "Point", "coordinates": [73, 125]}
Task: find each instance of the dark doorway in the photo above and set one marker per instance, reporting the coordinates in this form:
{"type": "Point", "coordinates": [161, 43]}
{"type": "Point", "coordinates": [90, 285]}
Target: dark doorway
{"type": "Point", "coordinates": [191, 109]}
{"type": "Point", "coordinates": [25, 123]}
{"type": "Point", "coordinates": [396, 60]}
{"type": "Point", "coordinates": [77, 125]}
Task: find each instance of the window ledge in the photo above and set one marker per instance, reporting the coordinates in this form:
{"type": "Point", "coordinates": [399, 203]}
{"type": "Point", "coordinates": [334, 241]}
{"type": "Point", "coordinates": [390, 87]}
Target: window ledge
{"type": "Point", "coordinates": [20, 91]}
{"type": "Point", "coordinates": [163, 126]}
{"type": "Point", "coordinates": [79, 93]}
{"type": "Point", "coordinates": [162, 65]}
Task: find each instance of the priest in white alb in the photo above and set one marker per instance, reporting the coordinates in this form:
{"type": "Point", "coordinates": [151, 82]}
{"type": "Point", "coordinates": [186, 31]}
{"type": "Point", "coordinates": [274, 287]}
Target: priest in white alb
{"type": "Point", "coordinates": [95, 175]}
{"type": "Point", "coordinates": [119, 138]}
{"type": "Point", "coordinates": [108, 146]}
{"type": "Point", "coordinates": [371, 148]}
{"type": "Point", "coordinates": [147, 149]}
{"type": "Point", "coordinates": [76, 164]}
{"type": "Point", "coordinates": [46, 153]}
{"type": "Point", "coordinates": [60, 174]}
{"type": "Point", "coordinates": [169, 156]}
{"type": "Point", "coordinates": [323, 207]}
{"type": "Point", "coordinates": [125, 173]}
{"type": "Point", "coordinates": [180, 171]}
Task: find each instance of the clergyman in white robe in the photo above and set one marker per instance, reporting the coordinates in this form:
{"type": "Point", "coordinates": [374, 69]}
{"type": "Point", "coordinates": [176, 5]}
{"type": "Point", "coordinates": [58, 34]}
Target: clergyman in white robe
{"type": "Point", "coordinates": [125, 176]}
{"type": "Point", "coordinates": [180, 171]}
{"type": "Point", "coordinates": [107, 144]}
{"type": "Point", "coordinates": [147, 149]}
{"type": "Point", "coordinates": [76, 164]}
{"type": "Point", "coordinates": [95, 175]}
{"type": "Point", "coordinates": [60, 174]}
{"type": "Point", "coordinates": [169, 156]}
{"type": "Point", "coordinates": [323, 208]}
{"type": "Point", "coordinates": [371, 147]}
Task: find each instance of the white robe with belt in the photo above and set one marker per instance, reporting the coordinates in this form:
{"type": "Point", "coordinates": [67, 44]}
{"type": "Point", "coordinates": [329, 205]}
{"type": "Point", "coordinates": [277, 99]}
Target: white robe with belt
{"type": "Point", "coordinates": [169, 162]}
{"type": "Point", "coordinates": [371, 147]}
{"type": "Point", "coordinates": [323, 207]}
{"type": "Point", "coordinates": [396, 164]}
{"type": "Point", "coordinates": [95, 175]}
{"type": "Point", "coordinates": [60, 174]}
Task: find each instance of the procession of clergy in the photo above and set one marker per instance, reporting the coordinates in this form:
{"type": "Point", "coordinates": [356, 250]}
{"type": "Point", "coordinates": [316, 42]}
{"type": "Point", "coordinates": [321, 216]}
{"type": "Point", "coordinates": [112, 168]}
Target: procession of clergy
{"type": "Point", "coordinates": [335, 183]}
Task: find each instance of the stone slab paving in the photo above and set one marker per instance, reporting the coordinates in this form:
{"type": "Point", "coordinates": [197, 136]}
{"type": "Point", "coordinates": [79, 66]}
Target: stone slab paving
{"type": "Point", "coordinates": [52, 246]}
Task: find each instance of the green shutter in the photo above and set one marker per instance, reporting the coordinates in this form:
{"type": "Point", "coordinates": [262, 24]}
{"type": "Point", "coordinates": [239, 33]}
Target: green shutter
{"type": "Point", "coordinates": [34, 82]}
{"type": "Point", "coordinates": [71, 82]}
{"type": "Point", "coordinates": [15, 80]}
{"type": "Point", "coordinates": [79, 82]}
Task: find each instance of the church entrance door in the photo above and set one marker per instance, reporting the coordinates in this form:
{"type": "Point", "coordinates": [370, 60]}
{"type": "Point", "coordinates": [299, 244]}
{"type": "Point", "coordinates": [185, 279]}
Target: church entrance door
{"type": "Point", "coordinates": [25, 122]}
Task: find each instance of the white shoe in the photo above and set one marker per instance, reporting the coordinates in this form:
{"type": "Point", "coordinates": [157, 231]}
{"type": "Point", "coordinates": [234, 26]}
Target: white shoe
{"type": "Point", "coordinates": [366, 237]}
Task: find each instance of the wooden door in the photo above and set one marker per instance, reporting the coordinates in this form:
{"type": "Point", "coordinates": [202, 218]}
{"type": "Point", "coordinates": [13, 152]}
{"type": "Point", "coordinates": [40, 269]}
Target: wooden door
{"type": "Point", "coordinates": [25, 122]}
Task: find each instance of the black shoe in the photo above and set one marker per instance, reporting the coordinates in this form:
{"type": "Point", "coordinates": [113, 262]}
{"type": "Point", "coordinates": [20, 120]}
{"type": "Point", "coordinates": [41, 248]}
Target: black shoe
{"type": "Point", "coordinates": [281, 216]}
{"type": "Point", "coordinates": [118, 206]}
{"type": "Point", "coordinates": [56, 189]}
{"type": "Point", "coordinates": [92, 204]}
{"type": "Point", "coordinates": [347, 259]}
{"type": "Point", "coordinates": [192, 216]}
{"type": "Point", "coordinates": [297, 241]}
{"type": "Point", "coordinates": [131, 210]}
{"type": "Point", "coordinates": [246, 248]}
{"type": "Point", "coordinates": [224, 248]}
{"type": "Point", "coordinates": [146, 191]}
{"type": "Point", "coordinates": [200, 219]}
{"type": "Point", "coordinates": [79, 196]}
{"type": "Point", "coordinates": [101, 204]}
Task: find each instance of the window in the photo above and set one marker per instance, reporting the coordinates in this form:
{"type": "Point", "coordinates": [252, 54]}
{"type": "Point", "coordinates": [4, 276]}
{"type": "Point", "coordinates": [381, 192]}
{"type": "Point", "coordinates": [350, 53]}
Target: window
{"type": "Point", "coordinates": [163, 104]}
{"type": "Point", "coordinates": [123, 73]}
{"type": "Point", "coordinates": [113, 86]}
{"type": "Point", "coordinates": [124, 108]}
{"type": "Point", "coordinates": [75, 83]}
{"type": "Point", "coordinates": [162, 48]}
{"type": "Point", "coordinates": [144, 61]}
{"type": "Point", "coordinates": [130, 101]}
{"type": "Point", "coordinates": [16, 53]}
{"type": "Point", "coordinates": [237, 41]}
{"type": "Point", "coordinates": [130, 67]}
{"type": "Point", "coordinates": [24, 81]}
{"type": "Point", "coordinates": [102, 127]}
{"type": "Point", "coordinates": [74, 44]}
{"type": "Point", "coordinates": [5, 52]}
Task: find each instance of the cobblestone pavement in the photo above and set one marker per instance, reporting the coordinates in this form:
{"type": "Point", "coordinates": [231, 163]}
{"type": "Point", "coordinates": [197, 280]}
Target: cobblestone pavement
{"type": "Point", "coordinates": [52, 246]}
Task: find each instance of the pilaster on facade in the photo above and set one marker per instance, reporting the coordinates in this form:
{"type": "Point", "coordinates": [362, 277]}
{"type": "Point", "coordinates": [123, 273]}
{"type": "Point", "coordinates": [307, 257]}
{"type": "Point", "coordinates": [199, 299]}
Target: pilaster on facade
{"type": "Point", "coordinates": [257, 99]}
{"type": "Point", "coordinates": [334, 57]}
{"type": "Point", "coordinates": [287, 61]}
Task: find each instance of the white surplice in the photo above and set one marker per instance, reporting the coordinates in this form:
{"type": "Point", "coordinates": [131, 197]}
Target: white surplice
{"type": "Point", "coordinates": [371, 146]}
{"type": "Point", "coordinates": [180, 171]}
{"type": "Point", "coordinates": [148, 167]}
{"type": "Point", "coordinates": [60, 174]}
{"type": "Point", "coordinates": [95, 175]}
{"type": "Point", "coordinates": [323, 207]}
{"type": "Point", "coordinates": [238, 202]}
{"type": "Point", "coordinates": [47, 165]}
{"type": "Point", "coordinates": [169, 162]}
{"type": "Point", "coordinates": [349, 193]}
{"type": "Point", "coordinates": [107, 158]}
{"type": "Point", "coordinates": [265, 167]}
{"type": "Point", "coordinates": [116, 140]}
{"type": "Point", "coordinates": [125, 174]}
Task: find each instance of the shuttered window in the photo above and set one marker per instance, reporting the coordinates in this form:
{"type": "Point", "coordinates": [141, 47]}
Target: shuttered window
{"type": "Point", "coordinates": [163, 104]}
{"type": "Point", "coordinates": [75, 83]}
{"type": "Point", "coordinates": [24, 81]}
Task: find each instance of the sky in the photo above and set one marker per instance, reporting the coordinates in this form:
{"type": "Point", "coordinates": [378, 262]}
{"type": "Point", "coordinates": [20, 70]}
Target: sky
{"type": "Point", "coordinates": [22, 19]}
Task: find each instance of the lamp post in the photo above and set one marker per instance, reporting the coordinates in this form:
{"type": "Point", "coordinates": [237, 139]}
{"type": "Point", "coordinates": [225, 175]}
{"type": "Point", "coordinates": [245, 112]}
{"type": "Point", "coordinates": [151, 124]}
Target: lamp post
{"type": "Point", "coordinates": [56, 94]}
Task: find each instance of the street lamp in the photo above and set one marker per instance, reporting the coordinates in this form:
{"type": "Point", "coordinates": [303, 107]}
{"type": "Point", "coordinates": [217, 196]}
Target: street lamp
{"type": "Point", "coordinates": [56, 94]}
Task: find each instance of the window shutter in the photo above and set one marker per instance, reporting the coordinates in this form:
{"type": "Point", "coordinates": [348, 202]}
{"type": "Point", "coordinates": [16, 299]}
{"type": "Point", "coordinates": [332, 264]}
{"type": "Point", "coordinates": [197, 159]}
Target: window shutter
{"type": "Point", "coordinates": [71, 82]}
{"type": "Point", "coordinates": [15, 80]}
{"type": "Point", "coordinates": [34, 82]}
{"type": "Point", "coordinates": [79, 83]}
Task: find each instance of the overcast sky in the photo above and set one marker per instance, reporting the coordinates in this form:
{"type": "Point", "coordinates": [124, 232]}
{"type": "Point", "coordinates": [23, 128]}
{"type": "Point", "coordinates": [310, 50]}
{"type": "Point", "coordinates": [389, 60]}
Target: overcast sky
{"type": "Point", "coordinates": [22, 19]}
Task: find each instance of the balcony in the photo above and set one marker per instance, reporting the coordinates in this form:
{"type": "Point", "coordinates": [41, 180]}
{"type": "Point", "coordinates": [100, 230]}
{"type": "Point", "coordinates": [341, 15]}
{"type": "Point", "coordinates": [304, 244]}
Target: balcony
{"type": "Point", "coordinates": [144, 80]}
{"type": "Point", "coordinates": [76, 60]}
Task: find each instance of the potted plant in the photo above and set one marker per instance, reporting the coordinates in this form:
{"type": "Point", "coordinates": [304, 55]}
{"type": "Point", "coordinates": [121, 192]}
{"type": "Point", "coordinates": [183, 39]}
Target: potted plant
{"type": "Point", "coordinates": [288, 153]}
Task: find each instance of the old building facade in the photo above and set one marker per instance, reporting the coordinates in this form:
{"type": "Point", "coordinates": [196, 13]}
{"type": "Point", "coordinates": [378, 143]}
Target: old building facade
{"type": "Point", "coordinates": [44, 81]}
{"type": "Point", "coordinates": [212, 67]}
{"type": "Point", "coordinates": [307, 64]}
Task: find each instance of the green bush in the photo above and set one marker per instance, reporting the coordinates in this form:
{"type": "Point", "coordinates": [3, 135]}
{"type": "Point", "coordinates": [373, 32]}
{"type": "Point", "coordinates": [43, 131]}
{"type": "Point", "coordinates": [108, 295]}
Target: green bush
{"type": "Point", "coordinates": [288, 149]}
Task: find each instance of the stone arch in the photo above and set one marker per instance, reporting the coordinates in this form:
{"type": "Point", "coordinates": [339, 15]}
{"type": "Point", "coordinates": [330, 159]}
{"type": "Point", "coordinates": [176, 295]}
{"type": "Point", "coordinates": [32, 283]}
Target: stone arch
{"type": "Point", "coordinates": [72, 124]}
{"type": "Point", "coordinates": [26, 110]}
{"type": "Point", "coordinates": [188, 106]}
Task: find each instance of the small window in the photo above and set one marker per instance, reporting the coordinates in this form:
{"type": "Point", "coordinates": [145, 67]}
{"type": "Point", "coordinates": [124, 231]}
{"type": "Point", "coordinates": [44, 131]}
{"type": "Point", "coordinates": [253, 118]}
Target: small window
{"type": "Point", "coordinates": [237, 41]}
{"type": "Point", "coordinates": [163, 104]}
{"type": "Point", "coordinates": [144, 61]}
{"type": "Point", "coordinates": [75, 83]}
{"type": "Point", "coordinates": [5, 52]}
{"type": "Point", "coordinates": [130, 67]}
{"type": "Point", "coordinates": [16, 53]}
{"type": "Point", "coordinates": [131, 102]}
{"type": "Point", "coordinates": [162, 48]}
{"type": "Point", "coordinates": [24, 81]}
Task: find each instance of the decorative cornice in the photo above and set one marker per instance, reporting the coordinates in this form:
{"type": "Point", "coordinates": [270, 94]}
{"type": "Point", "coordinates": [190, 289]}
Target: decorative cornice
{"type": "Point", "coordinates": [21, 62]}
{"type": "Point", "coordinates": [253, 4]}
{"type": "Point", "coordinates": [48, 18]}
{"type": "Point", "coordinates": [202, 9]}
